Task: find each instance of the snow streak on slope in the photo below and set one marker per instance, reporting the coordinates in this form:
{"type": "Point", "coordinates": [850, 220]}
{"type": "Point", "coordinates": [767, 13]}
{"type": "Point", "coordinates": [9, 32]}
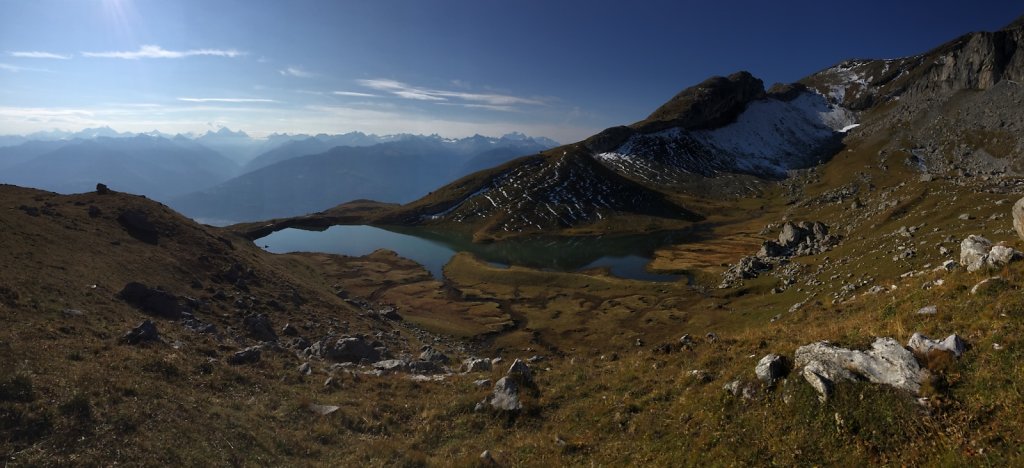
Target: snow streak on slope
{"type": "Point", "coordinates": [555, 192]}
{"type": "Point", "coordinates": [770, 137]}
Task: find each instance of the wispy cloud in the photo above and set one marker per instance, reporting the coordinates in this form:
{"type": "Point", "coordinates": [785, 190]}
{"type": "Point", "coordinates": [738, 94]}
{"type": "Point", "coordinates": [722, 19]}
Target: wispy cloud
{"type": "Point", "coordinates": [296, 72]}
{"type": "Point", "coordinates": [39, 55]}
{"type": "Point", "coordinates": [155, 51]}
{"type": "Point", "coordinates": [353, 94]}
{"type": "Point", "coordinates": [406, 91]}
{"type": "Point", "coordinates": [16, 68]}
{"type": "Point", "coordinates": [231, 100]}
{"type": "Point", "coordinates": [481, 106]}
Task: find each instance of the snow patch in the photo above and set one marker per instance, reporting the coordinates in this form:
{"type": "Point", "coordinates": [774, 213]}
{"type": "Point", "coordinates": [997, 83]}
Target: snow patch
{"type": "Point", "coordinates": [770, 137]}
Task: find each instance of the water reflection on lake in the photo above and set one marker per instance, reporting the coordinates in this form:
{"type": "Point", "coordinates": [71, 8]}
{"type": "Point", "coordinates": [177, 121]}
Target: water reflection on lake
{"type": "Point", "coordinates": [624, 257]}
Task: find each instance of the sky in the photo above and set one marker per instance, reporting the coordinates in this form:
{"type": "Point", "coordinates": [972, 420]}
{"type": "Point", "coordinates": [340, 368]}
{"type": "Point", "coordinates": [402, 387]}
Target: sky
{"type": "Point", "coordinates": [561, 69]}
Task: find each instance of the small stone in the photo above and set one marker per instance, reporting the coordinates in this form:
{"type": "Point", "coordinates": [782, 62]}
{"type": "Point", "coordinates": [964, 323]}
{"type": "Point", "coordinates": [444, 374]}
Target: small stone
{"type": "Point", "coordinates": [305, 369]}
{"type": "Point", "coordinates": [928, 310]}
{"type": "Point", "coordinates": [248, 355]}
{"type": "Point", "coordinates": [289, 330]}
{"type": "Point", "coordinates": [922, 345]}
{"type": "Point", "coordinates": [322, 410]}
{"type": "Point", "coordinates": [486, 458]}
{"type": "Point", "coordinates": [482, 383]}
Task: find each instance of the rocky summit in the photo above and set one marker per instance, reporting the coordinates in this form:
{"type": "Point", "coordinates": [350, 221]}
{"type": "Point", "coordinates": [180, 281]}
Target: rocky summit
{"type": "Point", "coordinates": [826, 272]}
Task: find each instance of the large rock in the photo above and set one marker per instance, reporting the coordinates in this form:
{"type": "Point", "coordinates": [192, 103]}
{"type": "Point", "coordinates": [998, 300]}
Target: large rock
{"type": "Point", "coordinates": [391, 365]}
{"type": "Point", "coordinates": [792, 235]}
{"type": "Point", "coordinates": [746, 268]}
{"type": "Point", "coordinates": [432, 355]}
{"type": "Point", "coordinates": [476, 365]}
{"type": "Point", "coordinates": [1001, 255]}
{"type": "Point", "coordinates": [770, 368]}
{"type": "Point", "coordinates": [974, 252]}
{"type": "Point", "coordinates": [521, 372]}
{"type": "Point", "coordinates": [1018, 217]}
{"type": "Point", "coordinates": [977, 253]}
{"type": "Point", "coordinates": [424, 368]}
{"type": "Point", "coordinates": [922, 345]}
{"type": "Point", "coordinates": [153, 301]}
{"type": "Point", "coordinates": [887, 363]}
{"type": "Point", "coordinates": [506, 395]}
{"type": "Point", "coordinates": [351, 349]}
{"type": "Point", "coordinates": [143, 332]}
{"type": "Point", "coordinates": [248, 355]}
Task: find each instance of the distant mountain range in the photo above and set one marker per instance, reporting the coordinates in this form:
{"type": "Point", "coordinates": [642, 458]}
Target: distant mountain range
{"type": "Point", "coordinates": [155, 166]}
{"type": "Point", "coordinates": [301, 176]}
{"type": "Point", "coordinates": [395, 168]}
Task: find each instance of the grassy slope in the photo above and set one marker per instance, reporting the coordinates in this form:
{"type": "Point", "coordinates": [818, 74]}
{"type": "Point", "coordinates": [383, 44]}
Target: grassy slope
{"type": "Point", "coordinates": [604, 399]}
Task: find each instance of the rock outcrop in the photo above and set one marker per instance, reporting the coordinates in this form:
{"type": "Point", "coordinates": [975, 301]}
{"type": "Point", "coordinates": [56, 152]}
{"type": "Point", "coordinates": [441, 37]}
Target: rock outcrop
{"type": "Point", "coordinates": [887, 363]}
{"type": "Point", "coordinates": [977, 253]}
{"type": "Point", "coordinates": [353, 349]}
{"type": "Point", "coordinates": [154, 301]}
{"type": "Point", "coordinates": [795, 240]}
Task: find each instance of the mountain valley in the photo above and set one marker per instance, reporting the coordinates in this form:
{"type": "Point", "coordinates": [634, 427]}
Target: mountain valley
{"type": "Point", "coordinates": [821, 232]}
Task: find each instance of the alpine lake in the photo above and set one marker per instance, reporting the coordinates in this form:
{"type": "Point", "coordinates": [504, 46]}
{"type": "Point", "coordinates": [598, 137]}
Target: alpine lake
{"type": "Point", "coordinates": [621, 256]}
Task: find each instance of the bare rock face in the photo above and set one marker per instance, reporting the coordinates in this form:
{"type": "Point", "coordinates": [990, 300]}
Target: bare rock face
{"type": "Point", "coordinates": [887, 362]}
{"type": "Point", "coordinates": [712, 103]}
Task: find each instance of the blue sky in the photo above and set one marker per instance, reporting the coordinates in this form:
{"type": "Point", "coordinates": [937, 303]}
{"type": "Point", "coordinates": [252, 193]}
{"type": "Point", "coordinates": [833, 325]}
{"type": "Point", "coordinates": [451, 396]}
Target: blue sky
{"type": "Point", "coordinates": [563, 69]}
